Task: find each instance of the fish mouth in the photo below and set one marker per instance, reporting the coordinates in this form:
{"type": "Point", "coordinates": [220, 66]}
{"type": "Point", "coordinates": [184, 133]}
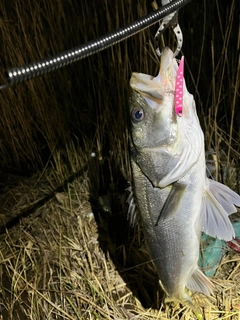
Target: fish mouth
{"type": "Point", "coordinates": [154, 90]}
{"type": "Point", "coordinates": [168, 70]}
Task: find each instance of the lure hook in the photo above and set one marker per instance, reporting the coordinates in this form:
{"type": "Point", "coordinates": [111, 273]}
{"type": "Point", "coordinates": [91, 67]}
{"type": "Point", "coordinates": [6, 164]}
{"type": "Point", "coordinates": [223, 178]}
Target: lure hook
{"type": "Point", "coordinates": [170, 21]}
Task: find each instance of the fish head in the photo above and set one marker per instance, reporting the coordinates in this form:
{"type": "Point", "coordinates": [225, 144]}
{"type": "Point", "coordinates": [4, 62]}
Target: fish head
{"type": "Point", "coordinates": [151, 105]}
{"type": "Point", "coordinates": [168, 142]}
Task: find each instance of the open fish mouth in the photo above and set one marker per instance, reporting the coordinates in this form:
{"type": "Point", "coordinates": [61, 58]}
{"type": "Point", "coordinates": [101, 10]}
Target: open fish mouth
{"type": "Point", "coordinates": [154, 89]}
{"type": "Point", "coordinates": [168, 70]}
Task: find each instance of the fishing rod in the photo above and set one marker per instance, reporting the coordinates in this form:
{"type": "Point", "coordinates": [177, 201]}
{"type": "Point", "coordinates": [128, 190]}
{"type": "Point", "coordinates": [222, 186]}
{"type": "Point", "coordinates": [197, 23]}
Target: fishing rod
{"type": "Point", "coordinates": [38, 68]}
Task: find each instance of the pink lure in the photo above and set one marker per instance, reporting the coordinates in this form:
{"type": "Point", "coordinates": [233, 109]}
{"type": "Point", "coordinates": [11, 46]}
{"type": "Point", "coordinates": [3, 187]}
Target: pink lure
{"type": "Point", "coordinates": [179, 88]}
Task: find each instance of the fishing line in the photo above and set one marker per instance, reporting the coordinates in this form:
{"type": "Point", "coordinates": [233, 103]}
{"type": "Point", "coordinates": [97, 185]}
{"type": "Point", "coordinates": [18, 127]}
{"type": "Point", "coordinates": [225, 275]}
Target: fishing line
{"type": "Point", "coordinates": [139, 265]}
{"type": "Point", "coordinates": [35, 69]}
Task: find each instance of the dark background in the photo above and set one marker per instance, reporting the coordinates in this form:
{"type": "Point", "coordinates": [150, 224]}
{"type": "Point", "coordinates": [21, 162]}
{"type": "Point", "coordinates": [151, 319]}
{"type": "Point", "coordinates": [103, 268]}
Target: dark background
{"type": "Point", "coordinates": [62, 117]}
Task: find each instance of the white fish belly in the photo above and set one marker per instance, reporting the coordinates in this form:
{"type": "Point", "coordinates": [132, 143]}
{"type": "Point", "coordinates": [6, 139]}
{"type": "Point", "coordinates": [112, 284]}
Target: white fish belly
{"type": "Point", "coordinates": [172, 243]}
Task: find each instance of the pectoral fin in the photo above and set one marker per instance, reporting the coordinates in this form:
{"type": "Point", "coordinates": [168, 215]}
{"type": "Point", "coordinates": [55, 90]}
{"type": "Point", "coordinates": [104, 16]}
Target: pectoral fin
{"type": "Point", "coordinates": [214, 215]}
{"type": "Point", "coordinates": [173, 201]}
{"type": "Point", "coordinates": [200, 283]}
{"type": "Point", "coordinates": [182, 162]}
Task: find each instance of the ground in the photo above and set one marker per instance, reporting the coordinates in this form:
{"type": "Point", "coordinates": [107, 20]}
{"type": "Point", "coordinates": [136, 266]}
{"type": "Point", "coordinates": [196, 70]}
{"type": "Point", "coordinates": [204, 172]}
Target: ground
{"type": "Point", "coordinates": [72, 257]}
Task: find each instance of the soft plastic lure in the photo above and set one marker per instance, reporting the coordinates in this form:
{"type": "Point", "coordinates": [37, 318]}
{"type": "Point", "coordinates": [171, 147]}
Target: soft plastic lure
{"type": "Point", "coordinates": [179, 88]}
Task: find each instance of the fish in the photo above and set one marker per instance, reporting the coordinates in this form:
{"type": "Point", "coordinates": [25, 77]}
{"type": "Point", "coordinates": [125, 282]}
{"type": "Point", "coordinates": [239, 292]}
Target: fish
{"type": "Point", "coordinates": [175, 199]}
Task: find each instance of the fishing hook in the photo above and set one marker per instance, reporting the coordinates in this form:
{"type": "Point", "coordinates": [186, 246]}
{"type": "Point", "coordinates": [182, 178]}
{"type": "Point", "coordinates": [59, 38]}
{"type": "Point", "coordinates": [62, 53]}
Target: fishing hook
{"type": "Point", "coordinates": [170, 21]}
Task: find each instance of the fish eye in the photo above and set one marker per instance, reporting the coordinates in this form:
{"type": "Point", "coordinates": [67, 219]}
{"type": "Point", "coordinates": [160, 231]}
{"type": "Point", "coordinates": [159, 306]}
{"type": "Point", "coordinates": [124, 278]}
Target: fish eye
{"type": "Point", "coordinates": [137, 115]}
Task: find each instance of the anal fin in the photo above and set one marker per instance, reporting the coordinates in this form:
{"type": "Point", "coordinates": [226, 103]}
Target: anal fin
{"type": "Point", "coordinates": [200, 283]}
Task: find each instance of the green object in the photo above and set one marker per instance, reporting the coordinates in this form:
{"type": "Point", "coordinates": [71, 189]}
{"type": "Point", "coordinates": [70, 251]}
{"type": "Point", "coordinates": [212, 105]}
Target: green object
{"type": "Point", "coordinates": [236, 227]}
{"type": "Point", "coordinates": [212, 250]}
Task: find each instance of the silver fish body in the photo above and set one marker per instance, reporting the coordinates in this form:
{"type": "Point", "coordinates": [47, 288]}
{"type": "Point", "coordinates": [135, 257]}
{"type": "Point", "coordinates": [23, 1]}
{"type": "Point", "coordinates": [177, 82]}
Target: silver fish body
{"type": "Point", "coordinates": [175, 199]}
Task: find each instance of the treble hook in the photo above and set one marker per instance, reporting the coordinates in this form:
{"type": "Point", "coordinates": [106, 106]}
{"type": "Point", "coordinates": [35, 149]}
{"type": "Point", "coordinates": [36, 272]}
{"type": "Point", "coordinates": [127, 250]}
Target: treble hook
{"type": "Point", "coordinates": [170, 21]}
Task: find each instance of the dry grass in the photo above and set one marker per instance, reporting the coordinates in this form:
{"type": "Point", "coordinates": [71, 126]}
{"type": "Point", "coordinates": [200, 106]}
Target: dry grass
{"type": "Point", "coordinates": [63, 262]}
{"type": "Point", "coordinates": [68, 255]}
